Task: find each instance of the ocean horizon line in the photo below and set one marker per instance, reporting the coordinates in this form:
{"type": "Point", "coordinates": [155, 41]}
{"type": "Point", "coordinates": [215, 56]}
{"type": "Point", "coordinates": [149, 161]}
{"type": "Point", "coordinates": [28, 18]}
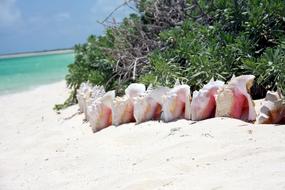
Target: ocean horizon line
{"type": "Point", "coordinates": [34, 53]}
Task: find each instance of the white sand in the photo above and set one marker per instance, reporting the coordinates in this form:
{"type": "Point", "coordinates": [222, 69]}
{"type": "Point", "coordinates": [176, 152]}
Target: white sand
{"type": "Point", "coordinates": [40, 150]}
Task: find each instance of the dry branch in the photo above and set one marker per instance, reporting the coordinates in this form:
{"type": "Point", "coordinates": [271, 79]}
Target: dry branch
{"type": "Point", "coordinates": [135, 42]}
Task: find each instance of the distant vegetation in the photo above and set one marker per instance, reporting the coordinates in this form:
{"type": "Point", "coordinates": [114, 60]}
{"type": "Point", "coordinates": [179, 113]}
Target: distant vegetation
{"type": "Point", "coordinates": [189, 40]}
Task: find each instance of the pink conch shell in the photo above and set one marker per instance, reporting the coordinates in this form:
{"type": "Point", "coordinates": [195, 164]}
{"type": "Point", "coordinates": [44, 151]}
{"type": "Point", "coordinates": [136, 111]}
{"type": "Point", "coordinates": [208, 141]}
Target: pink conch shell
{"type": "Point", "coordinates": [203, 103]}
{"type": "Point", "coordinates": [100, 112]}
{"type": "Point", "coordinates": [148, 106]}
{"type": "Point", "coordinates": [234, 100]}
{"type": "Point", "coordinates": [123, 108]}
{"type": "Point", "coordinates": [83, 93]}
{"type": "Point", "coordinates": [174, 102]}
{"type": "Point", "coordinates": [272, 110]}
{"type": "Point", "coordinates": [96, 92]}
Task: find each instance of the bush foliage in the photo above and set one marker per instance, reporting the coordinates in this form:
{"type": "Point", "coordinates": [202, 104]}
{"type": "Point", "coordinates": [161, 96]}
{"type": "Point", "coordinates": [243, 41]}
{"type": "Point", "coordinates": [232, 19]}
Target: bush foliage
{"type": "Point", "coordinates": [189, 40]}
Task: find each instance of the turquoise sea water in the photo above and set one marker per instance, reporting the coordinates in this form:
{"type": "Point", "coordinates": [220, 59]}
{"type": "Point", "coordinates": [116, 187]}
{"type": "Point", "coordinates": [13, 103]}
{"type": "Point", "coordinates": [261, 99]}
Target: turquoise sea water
{"type": "Point", "coordinates": [23, 73]}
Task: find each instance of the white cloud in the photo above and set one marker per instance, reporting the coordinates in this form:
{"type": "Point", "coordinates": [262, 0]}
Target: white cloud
{"type": "Point", "coordinates": [9, 13]}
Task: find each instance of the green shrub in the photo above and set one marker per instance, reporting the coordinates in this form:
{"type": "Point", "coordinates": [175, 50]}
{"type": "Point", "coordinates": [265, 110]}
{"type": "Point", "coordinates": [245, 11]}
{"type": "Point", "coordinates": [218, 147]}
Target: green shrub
{"type": "Point", "coordinates": [270, 68]}
{"type": "Point", "coordinates": [196, 53]}
{"type": "Point", "coordinates": [91, 64]}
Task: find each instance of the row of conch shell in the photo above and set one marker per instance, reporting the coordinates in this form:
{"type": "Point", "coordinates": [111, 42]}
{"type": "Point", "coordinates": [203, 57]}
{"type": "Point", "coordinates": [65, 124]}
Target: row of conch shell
{"type": "Point", "coordinates": [272, 109]}
{"type": "Point", "coordinates": [215, 99]}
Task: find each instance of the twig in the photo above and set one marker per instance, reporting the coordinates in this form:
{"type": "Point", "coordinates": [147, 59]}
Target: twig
{"type": "Point", "coordinates": [117, 8]}
{"type": "Point", "coordinates": [67, 118]}
{"type": "Point", "coordinates": [135, 66]}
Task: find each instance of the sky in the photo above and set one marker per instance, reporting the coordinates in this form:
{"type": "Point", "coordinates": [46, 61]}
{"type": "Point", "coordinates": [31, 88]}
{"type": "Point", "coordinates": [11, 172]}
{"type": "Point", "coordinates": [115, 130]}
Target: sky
{"type": "Point", "coordinates": [35, 25]}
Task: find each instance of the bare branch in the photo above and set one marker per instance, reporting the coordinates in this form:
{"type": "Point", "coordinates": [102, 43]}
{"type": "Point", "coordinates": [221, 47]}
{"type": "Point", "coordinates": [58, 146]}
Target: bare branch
{"type": "Point", "coordinates": [116, 9]}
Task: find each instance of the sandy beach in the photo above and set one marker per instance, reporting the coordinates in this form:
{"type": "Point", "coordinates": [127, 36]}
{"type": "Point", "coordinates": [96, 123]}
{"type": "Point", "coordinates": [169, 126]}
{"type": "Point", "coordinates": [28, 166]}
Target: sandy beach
{"type": "Point", "coordinates": [40, 149]}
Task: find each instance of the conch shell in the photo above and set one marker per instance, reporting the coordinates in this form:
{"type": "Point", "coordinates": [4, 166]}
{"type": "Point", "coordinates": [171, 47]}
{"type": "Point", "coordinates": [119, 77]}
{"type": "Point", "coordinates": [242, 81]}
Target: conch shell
{"type": "Point", "coordinates": [148, 105]}
{"type": "Point", "coordinates": [83, 93]}
{"type": "Point", "coordinates": [123, 107]}
{"type": "Point", "coordinates": [100, 111]}
{"type": "Point", "coordinates": [203, 105]}
{"type": "Point", "coordinates": [234, 100]}
{"type": "Point", "coordinates": [272, 109]}
{"type": "Point", "coordinates": [96, 92]}
{"type": "Point", "coordinates": [174, 103]}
